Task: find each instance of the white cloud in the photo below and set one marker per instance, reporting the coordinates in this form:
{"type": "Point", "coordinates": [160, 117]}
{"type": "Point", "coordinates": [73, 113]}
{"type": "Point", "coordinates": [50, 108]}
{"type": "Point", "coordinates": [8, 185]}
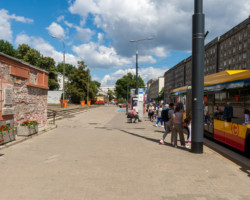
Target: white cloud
{"type": "Point", "coordinates": [60, 18]}
{"type": "Point", "coordinates": [168, 21]}
{"type": "Point", "coordinates": [45, 48]}
{"type": "Point", "coordinates": [100, 57]}
{"type": "Point", "coordinates": [5, 24]}
{"type": "Point", "coordinates": [100, 37]}
{"type": "Point", "coordinates": [56, 30]}
{"type": "Point", "coordinates": [145, 73]}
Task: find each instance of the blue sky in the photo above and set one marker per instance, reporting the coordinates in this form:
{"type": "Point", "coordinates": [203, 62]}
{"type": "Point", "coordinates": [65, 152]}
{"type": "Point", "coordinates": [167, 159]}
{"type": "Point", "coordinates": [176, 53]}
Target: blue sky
{"type": "Point", "coordinates": [98, 31]}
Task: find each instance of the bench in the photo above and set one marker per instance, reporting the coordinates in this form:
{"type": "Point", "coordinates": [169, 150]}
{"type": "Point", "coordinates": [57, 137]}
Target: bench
{"type": "Point", "coordinates": [129, 118]}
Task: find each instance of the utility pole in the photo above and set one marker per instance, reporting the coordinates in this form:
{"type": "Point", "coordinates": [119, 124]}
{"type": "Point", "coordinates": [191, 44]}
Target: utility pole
{"type": "Point", "coordinates": [197, 77]}
{"type": "Point", "coordinates": [61, 40]}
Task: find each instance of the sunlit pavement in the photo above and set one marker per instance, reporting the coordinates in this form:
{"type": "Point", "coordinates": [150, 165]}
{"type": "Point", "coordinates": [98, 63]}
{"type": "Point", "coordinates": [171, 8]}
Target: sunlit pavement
{"type": "Point", "coordinates": [98, 155]}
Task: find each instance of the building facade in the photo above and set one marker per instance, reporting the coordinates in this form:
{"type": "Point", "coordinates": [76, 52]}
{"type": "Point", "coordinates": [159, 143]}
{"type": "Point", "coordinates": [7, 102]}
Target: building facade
{"type": "Point", "coordinates": [23, 92]}
{"type": "Point", "coordinates": [154, 86]}
{"type": "Point", "coordinates": [230, 51]}
{"type": "Point", "coordinates": [107, 88]}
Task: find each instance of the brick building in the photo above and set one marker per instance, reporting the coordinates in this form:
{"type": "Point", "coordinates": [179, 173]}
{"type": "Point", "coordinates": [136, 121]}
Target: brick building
{"type": "Point", "coordinates": [23, 92]}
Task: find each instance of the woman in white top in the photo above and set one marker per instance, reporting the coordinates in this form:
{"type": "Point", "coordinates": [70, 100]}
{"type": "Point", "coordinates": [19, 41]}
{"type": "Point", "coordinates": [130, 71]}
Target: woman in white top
{"type": "Point", "coordinates": [151, 111]}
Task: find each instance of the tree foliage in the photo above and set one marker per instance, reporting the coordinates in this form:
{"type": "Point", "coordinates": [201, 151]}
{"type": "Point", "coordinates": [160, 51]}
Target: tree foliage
{"type": "Point", "coordinates": [161, 95]}
{"type": "Point", "coordinates": [33, 57]}
{"type": "Point", "coordinates": [48, 64]}
{"type": "Point", "coordinates": [80, 83]}
{"type": "Point", "coordinates": [97, 84]}
{"type": "Point", "coordinates": [121, 85]}
{"type": "Point", "coordinates": [111, 94]}
{"type": "Point", "coordinates": [7, 48]}
{"type": "Point", "coordinates": [69, 69]}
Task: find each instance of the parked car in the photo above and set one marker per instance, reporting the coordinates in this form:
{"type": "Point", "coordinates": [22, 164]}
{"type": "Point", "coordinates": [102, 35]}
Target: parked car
{"type": "Point", "coordinates": [122, 105]}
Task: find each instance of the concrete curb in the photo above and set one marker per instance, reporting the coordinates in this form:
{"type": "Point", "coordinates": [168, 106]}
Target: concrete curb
{"type": "Point", "coordinates": [20, 139]}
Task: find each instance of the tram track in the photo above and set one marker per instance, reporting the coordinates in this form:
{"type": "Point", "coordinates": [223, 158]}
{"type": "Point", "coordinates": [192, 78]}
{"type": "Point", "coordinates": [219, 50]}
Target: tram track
{"type": "Point", "coordinates": [69, 112]}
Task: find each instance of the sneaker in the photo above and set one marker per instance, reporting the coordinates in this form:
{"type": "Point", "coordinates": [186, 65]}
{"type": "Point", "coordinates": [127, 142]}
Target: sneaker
{"type": "Point", "coordinates": [205, 124]}
{"type": "Point", "coordinates": [187, 146]}
{"type": "Point", "coordinates": [156, 125]}
{"type": "Point", "coordinates": [162, 142]}
{"type": "Point", "coordinates": [162, 126]}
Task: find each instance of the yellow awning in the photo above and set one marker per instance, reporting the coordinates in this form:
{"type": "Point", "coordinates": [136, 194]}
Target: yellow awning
{"type": "Point", "coordinates": [179, 89]}
{"type": "Point", "coordinates": [226, 76]}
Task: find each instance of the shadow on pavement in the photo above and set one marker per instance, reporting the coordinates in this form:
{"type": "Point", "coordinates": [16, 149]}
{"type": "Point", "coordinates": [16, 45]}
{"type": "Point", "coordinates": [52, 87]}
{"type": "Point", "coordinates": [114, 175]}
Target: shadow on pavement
{"type": "Point", "coordinates": [153, 140]}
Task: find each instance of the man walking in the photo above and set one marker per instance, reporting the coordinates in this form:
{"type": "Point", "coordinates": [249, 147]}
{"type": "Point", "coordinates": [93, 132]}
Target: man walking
{"type": "Point", "coordinates": [167, 113]}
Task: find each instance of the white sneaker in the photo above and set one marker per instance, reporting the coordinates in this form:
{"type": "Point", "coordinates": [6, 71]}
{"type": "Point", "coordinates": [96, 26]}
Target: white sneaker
{"type": "Point", "coordinates": [156, 125]}
{"type": "Point", "coordinates": [162, 142]}
{"type": "Point", "coordinates": [162, 126]}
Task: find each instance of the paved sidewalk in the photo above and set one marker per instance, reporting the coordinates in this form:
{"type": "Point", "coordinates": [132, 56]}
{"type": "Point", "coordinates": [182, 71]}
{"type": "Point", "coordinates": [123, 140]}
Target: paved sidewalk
{"type": "Point", "coordinates": [98, 155]}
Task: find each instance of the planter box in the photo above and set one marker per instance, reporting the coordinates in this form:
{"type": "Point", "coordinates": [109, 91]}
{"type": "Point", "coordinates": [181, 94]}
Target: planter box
{"type": "Point", "coordinates": [27, 130]}
{"type": "Point", "coordinates": [7, 137]}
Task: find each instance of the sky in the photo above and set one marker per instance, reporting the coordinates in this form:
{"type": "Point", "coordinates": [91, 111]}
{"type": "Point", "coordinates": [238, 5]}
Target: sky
{"type": "Point", "coordinates": [98, 32]}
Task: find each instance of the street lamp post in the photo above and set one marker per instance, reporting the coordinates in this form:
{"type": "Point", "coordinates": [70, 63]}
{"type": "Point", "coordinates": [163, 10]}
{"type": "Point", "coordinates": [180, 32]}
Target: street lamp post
{"type": "Point", "coordinates": [61, 40]}
{"type": "Point", "coordinates": [136, 41]}
{"type": "Point", "coordinates": [88, 90]}
{"type": "Point", "coordinates": [197, 77]}
{"type": "Point", "coordinates": [127, 94]}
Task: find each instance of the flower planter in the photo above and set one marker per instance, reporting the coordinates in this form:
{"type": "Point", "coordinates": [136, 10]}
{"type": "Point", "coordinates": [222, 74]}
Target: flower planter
{"type": "Point", "coordinates": [27, 130]}
{"type": "Point", "coordinates": [89, 102]}
{"type": "Point", "coordinates": [7, 137]}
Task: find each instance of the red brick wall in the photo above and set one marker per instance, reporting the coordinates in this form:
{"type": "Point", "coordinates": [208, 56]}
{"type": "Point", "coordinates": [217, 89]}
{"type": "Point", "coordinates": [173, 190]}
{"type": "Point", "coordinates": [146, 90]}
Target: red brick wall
{"type": "Point", "coordinates": [30, 100]}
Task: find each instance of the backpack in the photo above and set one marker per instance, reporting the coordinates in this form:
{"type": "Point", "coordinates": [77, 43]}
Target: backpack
{"type": "Point", "coordinates": [164, 115]}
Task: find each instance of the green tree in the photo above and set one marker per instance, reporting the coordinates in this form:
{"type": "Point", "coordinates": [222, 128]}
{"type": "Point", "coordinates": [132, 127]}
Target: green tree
{"type": "Point", "coordinates": [48, 64]}
{"type": "Point", "coordinates": [76, 88]}
{"type": "Point", "coordinates": [22, 50]}
{"type": "Point", "coordinates": [7, 48]}
{"type": "Point", "coordinates": [121, 85]}
{"type": "Point", "coordinates": [32, 57]}
{"type": "Point", "coordinates": [97, 84]}
{"type": "Point", "coordinates": [161, 95]}
{"type": "Point", "coordinates": [111, 94]}
{"type": "Point", "coordinates": [69, 69]}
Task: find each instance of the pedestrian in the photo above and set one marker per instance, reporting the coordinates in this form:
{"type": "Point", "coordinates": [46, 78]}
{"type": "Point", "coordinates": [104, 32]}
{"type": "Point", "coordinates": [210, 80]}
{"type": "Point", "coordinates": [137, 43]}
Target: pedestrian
{"type": "Point", "coordinates": [151, 111]}
{"type": "Point", "coordinates": [135, 115]}
{"type": "Point", "coordinates": [228, 112]}
{"type": "Point", "coordinates": [159, 119]}
{"type": "Point", "coordinates": [177, 120]}
{"type": "Point", "coordinates": [167, 113]}
{"type": "Point", "coordinates": [247, 117]}
{"type": "Point", "coordinates": [155, 110]}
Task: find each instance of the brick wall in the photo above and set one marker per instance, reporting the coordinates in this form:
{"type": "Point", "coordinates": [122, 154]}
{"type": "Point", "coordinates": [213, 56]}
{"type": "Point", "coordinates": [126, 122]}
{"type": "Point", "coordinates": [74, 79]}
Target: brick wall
{"type": "Point", "coordinates": [30, 88]}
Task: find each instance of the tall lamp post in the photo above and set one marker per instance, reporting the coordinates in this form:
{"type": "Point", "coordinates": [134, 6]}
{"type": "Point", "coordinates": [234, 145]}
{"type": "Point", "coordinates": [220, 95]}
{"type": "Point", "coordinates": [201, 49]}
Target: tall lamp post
{"type": "Point", "coordinates": [136, 41]}
{"type": "Point", "coordinates": [61, 40]}
{"type": "Point", "coordinates": [127, 94]}
{"type": "Point", "coordinates": [197, 77]}
{"type": "Point", "coordinates": [88, 90]}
